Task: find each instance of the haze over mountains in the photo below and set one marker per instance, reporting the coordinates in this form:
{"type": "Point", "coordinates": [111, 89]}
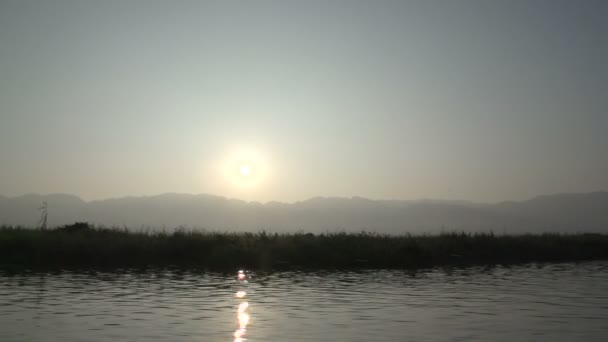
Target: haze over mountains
{"type": "Point", "coordinates": [560, 213]}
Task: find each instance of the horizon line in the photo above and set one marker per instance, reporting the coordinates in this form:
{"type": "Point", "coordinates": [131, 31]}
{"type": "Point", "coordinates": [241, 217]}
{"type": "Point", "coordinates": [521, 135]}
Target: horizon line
{"type": "Point", "coordinates": [298, 201]}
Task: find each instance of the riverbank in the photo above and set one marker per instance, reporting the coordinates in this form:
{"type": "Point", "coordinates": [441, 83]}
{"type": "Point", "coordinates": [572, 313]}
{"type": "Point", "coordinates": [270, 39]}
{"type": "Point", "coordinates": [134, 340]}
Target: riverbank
{"type": "Point", "coordinates": [87, 247]}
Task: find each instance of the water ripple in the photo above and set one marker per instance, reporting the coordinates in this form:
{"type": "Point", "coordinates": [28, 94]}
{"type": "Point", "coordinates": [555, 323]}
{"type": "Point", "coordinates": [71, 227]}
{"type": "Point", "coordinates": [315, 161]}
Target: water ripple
{"type": "Point", "coordinates": [559, 302]}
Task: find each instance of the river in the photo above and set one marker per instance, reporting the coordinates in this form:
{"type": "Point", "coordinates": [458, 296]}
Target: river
{"type": "Point", "coordinates": [534, 302]}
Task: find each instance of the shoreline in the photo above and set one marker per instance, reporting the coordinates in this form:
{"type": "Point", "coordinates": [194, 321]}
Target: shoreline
{"type": "Point", "coordinates": [81, 246]}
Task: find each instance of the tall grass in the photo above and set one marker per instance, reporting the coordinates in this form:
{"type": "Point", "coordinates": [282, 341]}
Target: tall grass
{"type": "Point", "coordinates": [87, 247]}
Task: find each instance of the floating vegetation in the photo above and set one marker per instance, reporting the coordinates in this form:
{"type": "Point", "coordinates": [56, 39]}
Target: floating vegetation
{"type": "Point", "coordinates": [84, 246]}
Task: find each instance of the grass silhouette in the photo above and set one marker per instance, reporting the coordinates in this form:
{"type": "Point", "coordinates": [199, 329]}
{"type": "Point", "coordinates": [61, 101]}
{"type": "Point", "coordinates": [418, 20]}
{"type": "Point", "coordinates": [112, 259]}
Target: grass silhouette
{"type": "Point", "coordinates": [83, 246]}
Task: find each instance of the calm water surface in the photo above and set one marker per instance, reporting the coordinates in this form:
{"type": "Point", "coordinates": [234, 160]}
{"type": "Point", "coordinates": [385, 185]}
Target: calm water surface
{"type": "Point", "coordinates": [559, 302]}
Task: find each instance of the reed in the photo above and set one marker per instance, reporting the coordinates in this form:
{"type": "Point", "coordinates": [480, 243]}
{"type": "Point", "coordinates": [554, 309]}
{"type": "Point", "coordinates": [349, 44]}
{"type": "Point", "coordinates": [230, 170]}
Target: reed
{"type": "Point", "coordinates": [84, 246]}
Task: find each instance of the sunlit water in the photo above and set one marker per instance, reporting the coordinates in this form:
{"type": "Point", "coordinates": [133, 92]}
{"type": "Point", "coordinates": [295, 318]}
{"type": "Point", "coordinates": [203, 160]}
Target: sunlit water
{"type": "Point", "coordinates": [562, 302]}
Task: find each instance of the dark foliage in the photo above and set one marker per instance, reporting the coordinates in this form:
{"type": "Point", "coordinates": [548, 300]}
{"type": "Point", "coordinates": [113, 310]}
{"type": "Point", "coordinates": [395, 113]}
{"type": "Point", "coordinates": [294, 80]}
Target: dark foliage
{"type": "Point", "coordinates": [83, 246]}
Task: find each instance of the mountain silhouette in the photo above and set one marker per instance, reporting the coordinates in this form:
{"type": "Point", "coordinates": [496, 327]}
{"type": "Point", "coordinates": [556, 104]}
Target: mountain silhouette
{"type": "Point", "coordinates": [586, 212]}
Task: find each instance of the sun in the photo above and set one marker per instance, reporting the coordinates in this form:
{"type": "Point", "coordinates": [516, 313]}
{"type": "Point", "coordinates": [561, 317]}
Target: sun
{"type": "Point", "coordinates": [245, 170]}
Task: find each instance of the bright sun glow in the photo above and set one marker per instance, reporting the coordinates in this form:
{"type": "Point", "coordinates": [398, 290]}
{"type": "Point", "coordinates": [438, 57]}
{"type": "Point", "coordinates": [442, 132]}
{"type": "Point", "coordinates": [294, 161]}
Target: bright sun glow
{"type": "Point", "coordinates": [245, 170]}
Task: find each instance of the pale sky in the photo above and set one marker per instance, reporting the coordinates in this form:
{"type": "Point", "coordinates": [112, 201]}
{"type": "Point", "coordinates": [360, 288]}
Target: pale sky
{"type": "Point", "coordinates": [479, 100]}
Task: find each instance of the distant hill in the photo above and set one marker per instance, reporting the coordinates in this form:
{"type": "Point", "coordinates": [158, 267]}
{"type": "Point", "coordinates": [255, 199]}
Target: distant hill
{"type": "Point", "coordinates": [562, 213]}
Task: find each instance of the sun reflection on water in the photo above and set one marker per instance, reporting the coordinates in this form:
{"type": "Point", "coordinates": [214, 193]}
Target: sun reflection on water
{"type": "Point", "coordinates": [242, 315]}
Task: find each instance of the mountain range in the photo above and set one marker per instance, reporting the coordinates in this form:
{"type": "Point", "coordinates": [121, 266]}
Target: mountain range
{"type": "Point", "coordinates": [585, 212]}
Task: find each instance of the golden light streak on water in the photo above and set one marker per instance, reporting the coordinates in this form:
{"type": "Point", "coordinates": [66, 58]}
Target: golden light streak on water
{"type": "Point", "coordinates": [242, 315]}
{"type": "Point", "coordinates": [243, 320]}
{"type": "Point", "coordinates": [239, 333]}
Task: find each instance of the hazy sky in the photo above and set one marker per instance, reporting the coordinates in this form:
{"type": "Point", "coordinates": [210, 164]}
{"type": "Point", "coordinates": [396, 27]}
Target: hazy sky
{"type": "Point", "coordinates": [481, 100]}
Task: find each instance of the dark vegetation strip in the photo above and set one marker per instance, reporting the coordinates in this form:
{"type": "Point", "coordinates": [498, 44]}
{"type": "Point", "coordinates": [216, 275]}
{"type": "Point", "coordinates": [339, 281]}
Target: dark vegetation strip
{"type": "Point", "coordinates": [82, 246]}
